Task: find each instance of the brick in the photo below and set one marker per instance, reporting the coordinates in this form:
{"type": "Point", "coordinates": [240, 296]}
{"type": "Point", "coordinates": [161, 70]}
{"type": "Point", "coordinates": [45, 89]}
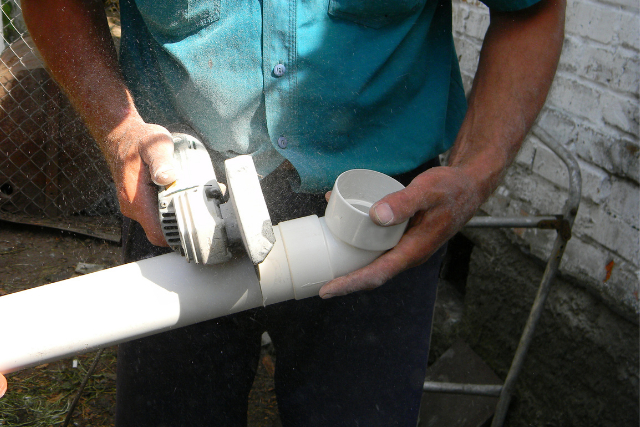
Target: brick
{"type": "Point", "coordinates": [460, 11]}
{"type": "Point", "coordinates": [526, 154]}
{"type": "Point", "coordinates": [601, 23]}
{"type": "Point", "coordinates": [592, 110]}
{"type": "Point", "coordinates": [629, 5]}
{"type": "Point", "coordinates": [542, 196]}
{"type": "Point", "coordinates": [608, 230]}
{"type": "Point", "coordinates": [467, 82]}
{"type": "Point", "coordinates": [595, 104]}
{"type": "Point", "coordinates": [558, 125]}
{"type": "Point", "coordinates": [540, 242]}
{"type": "Point", "coordinates": [617, 68]}
{"type": "Point", "coordinates": [584, 260]}
{"type": "Point", "coordinates": [624, 201]}
{"type": "Point", "coordinates": [548, 165]}
{"type": "Point", "coordinates": [622, 286]}
{"type": "Point", "coordinates": [477, 22]}
{"type": "Point", "coordinates": [596, 240]}
{"type": "Point", "coordinates": [628, 34]}
{"type": "Point", "coordinates": [575, 98]}
{"type": "Point", "coordinates": [468, 54]}
{"type": "Point", "coordinates": [475, 3]}
{"type": "Point", "coordinates": [596, 184]}
{"type": "Point", "coordinates": [615, 154]}
{"type": "Point", "coordinates": [619, 111]}
{"type": "Point", "coordinates": [588, 263]}
{"type": "Point", "coordinates": [501, 204]}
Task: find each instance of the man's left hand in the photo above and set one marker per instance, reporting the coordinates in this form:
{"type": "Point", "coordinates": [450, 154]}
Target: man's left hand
{"type": "Point", "coordinates": [517, 63]}
{"type": "Point", "coordinates": [439, 202]}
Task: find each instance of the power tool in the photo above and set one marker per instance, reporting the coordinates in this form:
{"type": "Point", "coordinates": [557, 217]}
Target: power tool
{"type": "Point", "coordinates": [203, 222]}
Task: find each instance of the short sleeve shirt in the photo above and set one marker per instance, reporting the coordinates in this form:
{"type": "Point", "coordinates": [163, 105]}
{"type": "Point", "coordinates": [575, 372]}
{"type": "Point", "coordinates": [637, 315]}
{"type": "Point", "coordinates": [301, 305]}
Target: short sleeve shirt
{"type": "Point", "coordinates": [330, 85]}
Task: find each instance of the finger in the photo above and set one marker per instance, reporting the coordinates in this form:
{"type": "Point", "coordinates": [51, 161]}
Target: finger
{"type": "Point", "coordinates": [395, 208]}
{"type": "Point", "coordinates": [414, 248]}
{"type": "Point", "coordinates": [327, 196]}
{"type": "Point", "coordinates": [156, 151]}
{"type": "Point", "coordinates": [3, 385]}
{"type": "Point", "coordinates": [149, 218]}
{"type": "Point", "coordinates": [146, 201]}
{"type": "Point", "coordinates": [139, 201]}
{"type": "Point", "coordinates": [370, 277]}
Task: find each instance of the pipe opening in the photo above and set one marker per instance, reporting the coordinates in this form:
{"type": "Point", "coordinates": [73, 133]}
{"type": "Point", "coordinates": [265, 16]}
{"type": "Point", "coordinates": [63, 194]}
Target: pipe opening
{"type": "Point", "coordinates": [347, 214]}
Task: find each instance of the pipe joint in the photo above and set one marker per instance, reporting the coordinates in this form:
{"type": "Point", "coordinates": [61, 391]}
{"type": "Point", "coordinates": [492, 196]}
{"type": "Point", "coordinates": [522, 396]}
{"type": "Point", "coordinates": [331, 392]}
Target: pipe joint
{"type": "Point", "coordinates": [311, 251]}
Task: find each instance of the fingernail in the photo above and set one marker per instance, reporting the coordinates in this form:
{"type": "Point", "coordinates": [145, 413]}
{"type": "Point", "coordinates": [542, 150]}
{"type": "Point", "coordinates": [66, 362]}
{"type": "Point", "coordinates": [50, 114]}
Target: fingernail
{"type": "Point", "coordinates": [163, 174]}
{"type": "Point", "coordinates": [383, 213]}
{"type": "Point", "coordinates": [326, 295]}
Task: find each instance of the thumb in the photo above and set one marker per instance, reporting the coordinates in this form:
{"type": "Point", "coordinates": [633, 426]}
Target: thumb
{"type": "Point", "coordinates": [395, 208]}
{"type": "Point", "coordinates": [157, 153]}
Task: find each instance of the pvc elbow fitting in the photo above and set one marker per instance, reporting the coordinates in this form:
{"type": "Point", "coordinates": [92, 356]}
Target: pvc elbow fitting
{"type": "Point", "coordinates": [311, 251]}
{"type": "Point", "coordinates": [347, 213]}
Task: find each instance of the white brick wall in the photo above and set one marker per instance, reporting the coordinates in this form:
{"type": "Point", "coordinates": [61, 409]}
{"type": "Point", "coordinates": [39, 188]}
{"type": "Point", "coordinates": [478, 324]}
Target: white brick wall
{"type": "Point", "coordinates": [592, 110]}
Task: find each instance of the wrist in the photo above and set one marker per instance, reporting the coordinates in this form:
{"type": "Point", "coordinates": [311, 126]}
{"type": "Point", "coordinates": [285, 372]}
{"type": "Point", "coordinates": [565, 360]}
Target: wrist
{"type": "Point", "coordinates": [484, 173]}
{"type": "Point", "coordinates": [483, 154]}
{"type": "Point", "coordinates": [109, 116]}
{"type": "Point", "coordinates": [115, 138]}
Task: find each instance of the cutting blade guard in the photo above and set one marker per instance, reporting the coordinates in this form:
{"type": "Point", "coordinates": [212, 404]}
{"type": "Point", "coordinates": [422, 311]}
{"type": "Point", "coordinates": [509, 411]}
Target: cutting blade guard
{"type": "Point", "coordinates": [194, 219]}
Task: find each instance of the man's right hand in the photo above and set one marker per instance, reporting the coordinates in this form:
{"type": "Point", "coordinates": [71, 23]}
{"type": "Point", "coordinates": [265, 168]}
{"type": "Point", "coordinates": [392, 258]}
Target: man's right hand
{"type": "Point", "coordinates": [140, 155]}
{"type": "Point", "coordinates": [73, 38]}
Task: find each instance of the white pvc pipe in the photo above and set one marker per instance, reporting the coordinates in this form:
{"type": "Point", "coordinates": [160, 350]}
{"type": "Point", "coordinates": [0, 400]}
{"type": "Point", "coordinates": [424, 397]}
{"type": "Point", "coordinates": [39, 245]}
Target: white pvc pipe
{"type": "Point", "coordinates": [73, 316]}
{"type": "Point", "coordinates": [306, 255]}
{"type": "Point", "coordinates": [154, 295]}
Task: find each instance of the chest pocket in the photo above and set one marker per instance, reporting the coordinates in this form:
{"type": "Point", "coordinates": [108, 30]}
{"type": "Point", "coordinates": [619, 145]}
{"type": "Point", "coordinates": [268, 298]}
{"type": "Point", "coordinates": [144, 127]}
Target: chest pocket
{"type": "Point", "coordinates": [179, 18]}
{"type": "Point", "coordinates": [374, 13]}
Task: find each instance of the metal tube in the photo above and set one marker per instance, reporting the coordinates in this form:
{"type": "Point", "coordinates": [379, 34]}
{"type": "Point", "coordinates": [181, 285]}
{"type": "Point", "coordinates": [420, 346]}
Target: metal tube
{"type": "Point", "coordinates": [456, 388]}
{"type": "Point", "coordinates": [527, 335]}
{"type": "Point", "coordinates": [575, 178]}
{"type": "Point", "coordinates": [569, 214]}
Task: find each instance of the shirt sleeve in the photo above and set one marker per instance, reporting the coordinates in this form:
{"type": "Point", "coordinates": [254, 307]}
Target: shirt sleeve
{"type": "Point", "coordinates": [508, 5]}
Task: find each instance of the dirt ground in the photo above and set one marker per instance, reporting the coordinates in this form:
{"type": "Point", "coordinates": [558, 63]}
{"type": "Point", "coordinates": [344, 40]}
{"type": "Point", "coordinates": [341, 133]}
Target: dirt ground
{"type": "Point", "coordinates": [32, 256]}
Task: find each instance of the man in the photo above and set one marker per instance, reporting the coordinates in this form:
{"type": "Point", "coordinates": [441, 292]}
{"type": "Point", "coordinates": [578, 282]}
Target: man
{"type": "Point", "coordinates": [309, 89]}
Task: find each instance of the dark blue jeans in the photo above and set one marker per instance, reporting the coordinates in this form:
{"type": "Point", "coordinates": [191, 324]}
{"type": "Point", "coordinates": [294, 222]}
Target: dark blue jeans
{"type": "Point", "coordinates": [357, 360]}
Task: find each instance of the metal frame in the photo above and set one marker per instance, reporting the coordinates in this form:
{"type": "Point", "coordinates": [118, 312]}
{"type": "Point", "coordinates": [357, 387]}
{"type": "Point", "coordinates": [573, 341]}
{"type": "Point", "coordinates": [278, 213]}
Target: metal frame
{"type": "Point", "coordinates": [563, 224]}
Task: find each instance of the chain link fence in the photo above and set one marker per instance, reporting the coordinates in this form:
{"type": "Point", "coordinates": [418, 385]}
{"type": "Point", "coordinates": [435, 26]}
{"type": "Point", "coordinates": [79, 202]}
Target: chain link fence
{"type": "Point", "coordinates": [51, 170]}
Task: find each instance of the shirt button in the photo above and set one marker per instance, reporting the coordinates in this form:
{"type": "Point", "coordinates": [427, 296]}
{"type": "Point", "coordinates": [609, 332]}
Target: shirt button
{"type": "Point", "coordinates": [279, 70]}
{"type": "Point", "coordinates": [282, 142]}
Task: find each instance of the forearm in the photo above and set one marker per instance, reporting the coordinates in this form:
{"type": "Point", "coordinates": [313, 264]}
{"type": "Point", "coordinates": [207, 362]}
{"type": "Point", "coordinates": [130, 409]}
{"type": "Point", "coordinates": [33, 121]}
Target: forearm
{"type": "Point", "coordinates": [518, 61]}
{"type": "Point", "coordinates": [517, 64]}
{"type": "Point", "coordinates": [74, 39]}
{"type": "Point", "coordinates": [75, 42]}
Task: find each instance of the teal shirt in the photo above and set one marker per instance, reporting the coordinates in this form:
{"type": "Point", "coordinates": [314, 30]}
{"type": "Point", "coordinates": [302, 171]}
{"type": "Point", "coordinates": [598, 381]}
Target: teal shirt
{"type": "Point", "coordinates": [330, 85]}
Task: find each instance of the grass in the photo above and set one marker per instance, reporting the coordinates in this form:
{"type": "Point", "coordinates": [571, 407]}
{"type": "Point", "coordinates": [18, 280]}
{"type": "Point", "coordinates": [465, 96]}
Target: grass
{"type": "Point", "coordinates": [41, 396]}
